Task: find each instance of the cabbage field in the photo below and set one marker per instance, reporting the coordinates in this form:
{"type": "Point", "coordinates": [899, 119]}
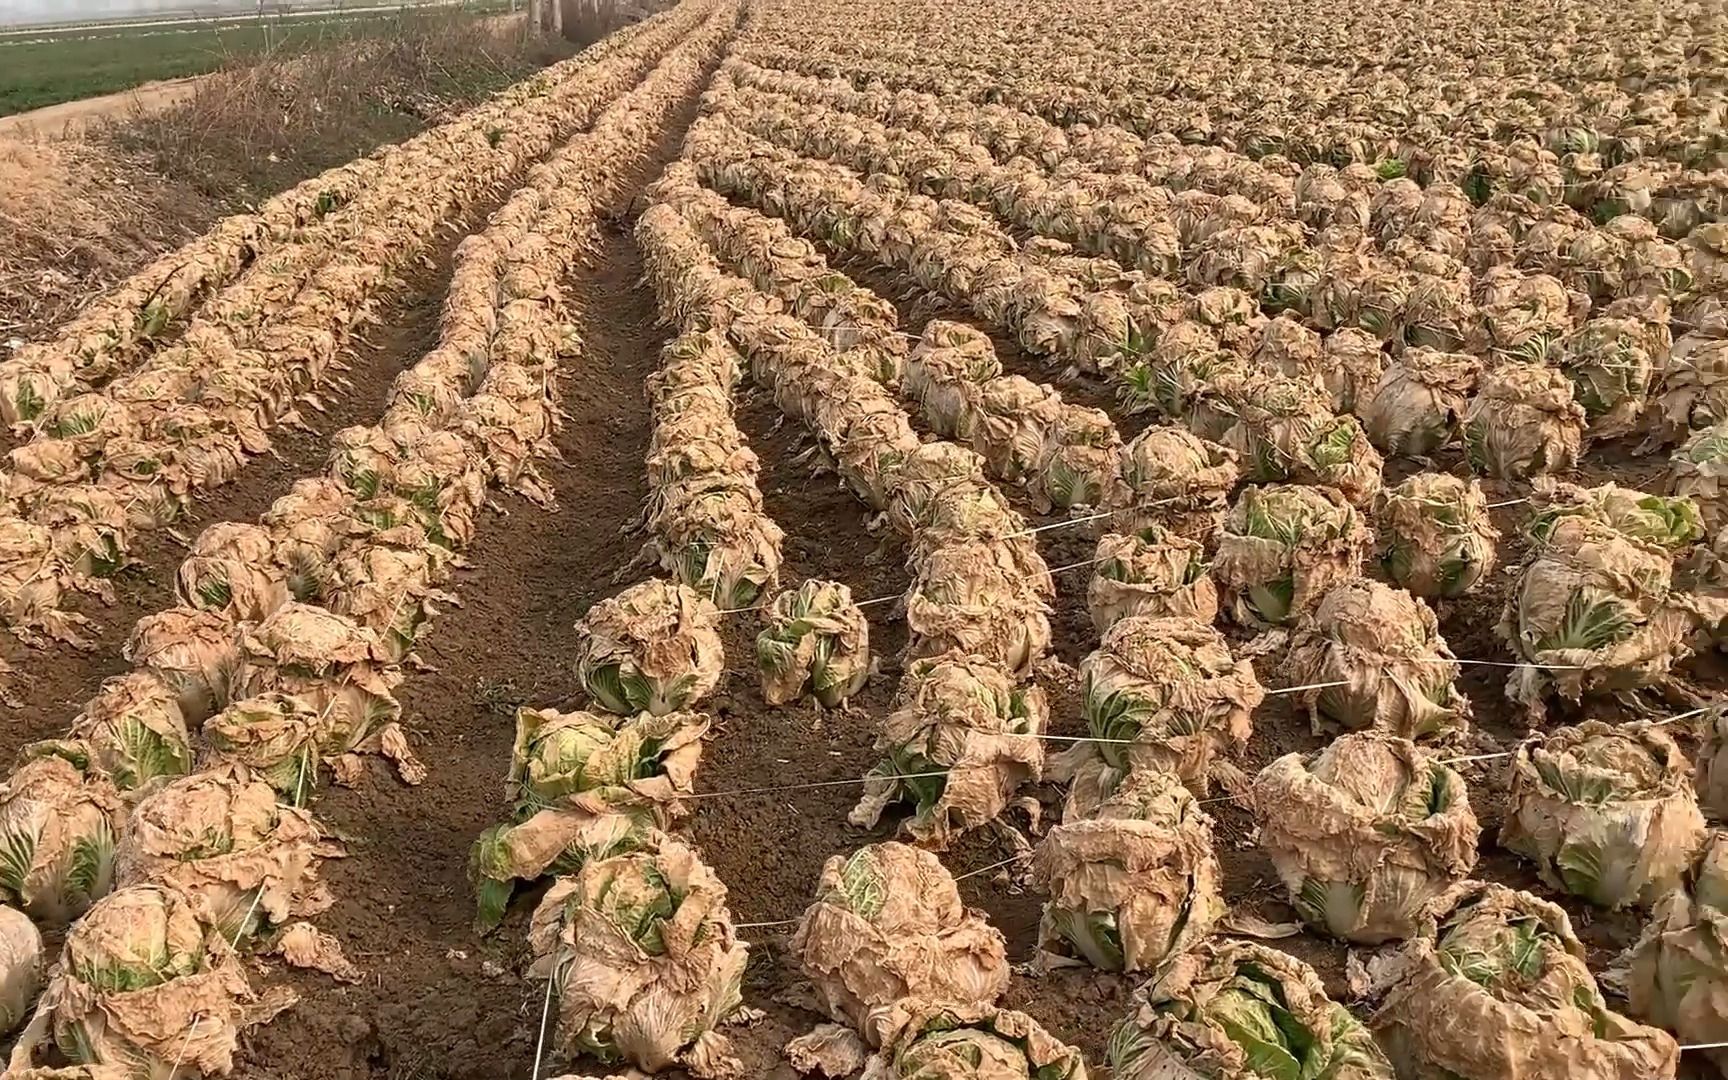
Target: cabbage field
{"type": "Point", "coordinates": [905, 541]}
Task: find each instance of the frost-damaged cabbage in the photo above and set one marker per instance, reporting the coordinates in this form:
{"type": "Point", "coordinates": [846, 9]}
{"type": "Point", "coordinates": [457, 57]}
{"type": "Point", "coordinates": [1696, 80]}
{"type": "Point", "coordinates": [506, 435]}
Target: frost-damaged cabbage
{"type": "Point", "coordinates": [1171, 478]}
{"type": "Point", "coordinates": [1285, 430]}
{"type": "Point", "coordinates": [888, 925]}
{"type": "Point", "coordinates": [1417, 404]}
{"type": "Point", "coordinates": [1385, 646]}
{"type": "Point", "coordinates": [1669, 522]}
{"type": "Point", "coordinates": [196, 653]}
{"type": "Point", "coordinates": [1678, 977]}
{"type": "Point", "coordinates": [1369, 836]}
{"type": "Point", "coordinates": [1523, 422]}
{"type": "Point", "coordinates": [979, 1042]}
{"type": "Point", "coordinates": [1013, 419]}
{"type": "Point", "coordinates": [1697, 470]}
{"type": "Point", "coordinates": [20, 967]}
{"type": "Point", "coordinates": [817, 642]}
{"type": "Point", "coordinates": [1079, 460]}
{"type": "Point", "coordinates": [133, 730]}
{"type": "Point", "coordinates": [1610, 363]}
{"type": "Point", "coordinates": [338, 669]}
{"type": "Point", "coordinates": [222, 841]}
{"type": "Point", "coordinates": [1607, 813]}
{"type": "Point", "coordinates": [655, 647]}
{"type": "Point", "coordinates": [59, 823]}
{"type": "Point", "coordinates": [232, 569]}
{"type": "Point", "coordinates": [711, 534]}
{"type": "Point", "coordinates": [1235, 1010]}
{"type": "Point", "coordinates": [1153, 572]}
{"type": "Point", "coordinates": [960, 743]}
{"type": "Point", "coordinates": [31, 585]}
{"type": "Point", "coordinates": [146, 984]}
{"type": "Point", "coordinates": [1711, 778]}
{"type": "Point", "coordinates": [582, 783]}
{"type": "Point", "coordinates": [1159, 694]}
{"type": "Point", "coordinates": [1504, 991]}
{"type": "Point", "coordinates": [436, 471]}
{"type": "Point", "coordinates": [979, 598]}
{"type": "Point", "coordinates": [1134, 883]}
{"type": "Point", "coordinates": [1592, 612]}
{"type": "Point", "coordinates": [644, 959]}
{"type": "Point", "coordinates": [1283, 547]}
{"type": "Point", "coordinates": [1436, 539]}
{"type": "Point", "coordinates": [946, 373]}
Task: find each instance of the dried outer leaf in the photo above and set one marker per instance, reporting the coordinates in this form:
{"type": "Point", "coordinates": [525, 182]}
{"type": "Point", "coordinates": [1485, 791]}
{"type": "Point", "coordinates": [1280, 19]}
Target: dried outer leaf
{"type": "Point", "coordinates": [20, 967]}
{"type": "Point", "coordinates": [91, 533]}
{"type": "Point", "coordinates": [887, 925]}
{"type": "Point", "coordinates": [644, 957]}
{"type": "Point", "coordinates": [59, 822]}
{"type": "Point", "coordinates": [1238, 1010]}
{"type": "Point", "coordinates": [1504, 991]}
{"type": "Point", "coordinates": [1523, 422]}
{"type": "Point", "coordinates": [1079, 460]}
{"type": "Point", "coordinates": [196, 653]}
{"type": "Point", "coordinates": [960, 743]}
{"type": "Point", "coordinates": [1711, 778]}
{"type": "Point", "coordinates": [437, 471]}
{"type": "Point", "coordinates": [557, 840]}
{"type": "Point", "coordinates": [816, 642]}
{"type": "Point", "coordinates": [1675, 977]}
{"type": "Point", "coordinates": [974, 1042]}
{"type": "Point", "coordinates": [1697, 471]}
{"type": "Point", "coordinates": [655, 647]}
{"type": "Point", "coordinates": [221, 841]}
{"type": "Point", "coordinates": [1418, 403]}
{"type": "Point", "coordinates": [1353, 365]}
{"type": "Point", "coordinates": [1159, 693]}
{"type": "Point", "coordinates": [1385, 646]}
{"type": "Point", "coordinates": [1436, 539]}
{"type": "Point", "coordinates": [1132, 885]}
{"type": "Point", "coordinates": [1606, 812]}
{"type": "Point", "coordinates": [1592, 612]}
{"type": "Point", "coordinates": [1153, 573]}
{"type": "Point", "coordinates": [232, 569]}
{"type": "Point", "coordinates": [390, 589]}
{"type": "Point", "coordinates": [981, 597]}
{"type": "Point", "coordinates": [933, 473]}
{"type": "Point", "coordinates": [143, 981]}
{"type": "Point", "coordinates": [1283, 547]}
{"type": "Point", "coordinates": [1171, 478]}
{"type": "Point", "coordinates": [1370, 836]}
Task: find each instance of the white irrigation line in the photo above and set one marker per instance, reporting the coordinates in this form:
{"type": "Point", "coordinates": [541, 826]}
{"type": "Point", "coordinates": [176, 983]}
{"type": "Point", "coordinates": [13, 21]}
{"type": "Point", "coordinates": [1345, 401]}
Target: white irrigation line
{"type": "Point", "coordinates": [545, 1012]}
{"type": "Point", "coordinates": [1012, 859]}
{"type": "Point", "coordinates": [1676, 718]}
{"type": "Point", "coordinates": [1508, 502]}
{"type": "Point", "coordinates": [1704, 1046]}
{"type": "Point", "coordinates": [197, 1018]}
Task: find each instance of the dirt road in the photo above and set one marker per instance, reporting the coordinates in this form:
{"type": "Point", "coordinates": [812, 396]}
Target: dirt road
{"type": "Point", "coordinates": [70, 117]}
